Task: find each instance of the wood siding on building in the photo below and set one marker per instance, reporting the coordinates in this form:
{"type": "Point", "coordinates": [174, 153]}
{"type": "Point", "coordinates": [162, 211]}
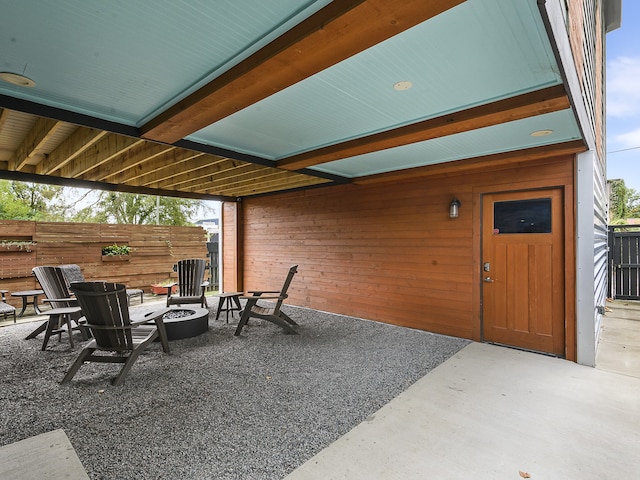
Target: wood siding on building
{"type": "Point", "coordinates": [389, 252]}
{"type": "Point", "coordinates": [231, 247]}
{"type": "Point", "coordinates": [155, 249]}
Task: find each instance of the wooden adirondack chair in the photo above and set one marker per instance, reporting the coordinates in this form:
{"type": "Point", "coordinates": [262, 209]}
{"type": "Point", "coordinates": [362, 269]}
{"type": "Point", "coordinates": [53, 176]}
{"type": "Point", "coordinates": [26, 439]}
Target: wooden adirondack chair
{"type": "Point", "coordinates": [191, 283]}
{"type": "Point", "coordinates": [106, 312]}
{"type": "Point", "coordinates": [272, 312]}
{"type": "Point", "coordinates": [64, 308]}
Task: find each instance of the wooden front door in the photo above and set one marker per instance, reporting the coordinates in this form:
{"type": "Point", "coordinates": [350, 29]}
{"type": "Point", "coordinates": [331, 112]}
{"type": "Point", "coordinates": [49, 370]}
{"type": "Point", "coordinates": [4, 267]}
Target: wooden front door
{"type": "Point", "coordinates": [523, 270]}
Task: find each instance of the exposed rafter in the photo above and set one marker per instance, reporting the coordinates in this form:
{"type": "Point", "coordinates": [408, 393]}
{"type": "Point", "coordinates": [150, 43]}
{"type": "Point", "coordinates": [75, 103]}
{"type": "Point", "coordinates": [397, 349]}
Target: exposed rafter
{"type": "Point", "coordinates": [101, 152]}
{"type": "Point", "coordinates": [74, 145]}
{"type": "Point", "coordinates": [128, 159]}
{"type": "Point", "coordinates": [43, 129]}
{"type": "Point", "coordinates": [161, 167]}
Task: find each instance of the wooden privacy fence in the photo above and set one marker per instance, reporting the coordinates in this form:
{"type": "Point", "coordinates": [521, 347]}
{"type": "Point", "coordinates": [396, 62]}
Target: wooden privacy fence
{"type": "Point", "coordinates": [154, 251]}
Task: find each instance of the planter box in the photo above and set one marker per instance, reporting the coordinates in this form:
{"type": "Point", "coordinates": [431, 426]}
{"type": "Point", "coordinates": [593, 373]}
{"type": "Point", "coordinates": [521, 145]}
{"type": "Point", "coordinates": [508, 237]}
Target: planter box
{"type": "Point", "coordinates": [17, 248]}
{"type": "Point", "coordinates": [160, 290]}
{"type": "Point", "coordinates": [115, 258]}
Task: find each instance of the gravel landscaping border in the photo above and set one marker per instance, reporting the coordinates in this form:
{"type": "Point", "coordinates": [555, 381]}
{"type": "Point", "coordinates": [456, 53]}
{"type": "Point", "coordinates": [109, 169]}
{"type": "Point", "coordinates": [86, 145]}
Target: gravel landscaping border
{"type": "Point", "coordinates": [219, 407]}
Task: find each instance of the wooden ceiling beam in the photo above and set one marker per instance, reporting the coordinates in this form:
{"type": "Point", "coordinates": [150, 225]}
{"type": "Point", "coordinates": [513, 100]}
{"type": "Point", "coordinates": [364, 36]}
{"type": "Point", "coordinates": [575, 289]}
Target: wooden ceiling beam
{"type": "Point", "coordinates": [336, 32]}
{"type": "Point", "coordinates": [70, 148]}
{"type": "Point", "coordinates": [41, 131]}
{"type": "Point", "coordinates": [108, 148]}
{"type": "Point", "coordinates": [487, 161]}
{"type": "Point", "coordinates": [547, 100]}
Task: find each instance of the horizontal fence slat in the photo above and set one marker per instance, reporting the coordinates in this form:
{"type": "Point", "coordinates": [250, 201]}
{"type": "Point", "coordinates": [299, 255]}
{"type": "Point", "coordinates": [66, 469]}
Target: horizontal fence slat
{"type": "Point", "coordinates": [155, 250]}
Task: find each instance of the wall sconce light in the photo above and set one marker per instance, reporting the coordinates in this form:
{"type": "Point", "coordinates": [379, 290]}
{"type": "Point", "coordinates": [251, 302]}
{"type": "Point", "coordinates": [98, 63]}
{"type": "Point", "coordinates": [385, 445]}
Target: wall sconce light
{"type": "Point", "coordinates": [454, 206]}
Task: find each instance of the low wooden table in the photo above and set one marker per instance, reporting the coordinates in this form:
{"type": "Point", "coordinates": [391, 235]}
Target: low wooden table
{"type": "Point", "coordinates": [25, 294]}
{"type": "Point", "coordinates": [229, 302]}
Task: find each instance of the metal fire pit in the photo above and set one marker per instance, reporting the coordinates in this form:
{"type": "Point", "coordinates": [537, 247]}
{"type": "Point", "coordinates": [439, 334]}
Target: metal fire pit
{"type": "Point", "coordinates": [186, 322]}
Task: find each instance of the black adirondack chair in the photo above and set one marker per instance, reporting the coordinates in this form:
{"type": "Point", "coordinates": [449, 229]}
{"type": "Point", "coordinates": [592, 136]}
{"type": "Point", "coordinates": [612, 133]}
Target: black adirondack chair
{"type": "Point", "coordinates": [106, 312]}
{"type": "Point", "coordinates": [64, 308]}
{"type": "Point", "coordinates": [271, 311]}
{"type": "Point", "coordinates": [191, 283]}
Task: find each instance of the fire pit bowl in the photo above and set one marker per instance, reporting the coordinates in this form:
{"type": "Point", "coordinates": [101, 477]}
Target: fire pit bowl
{"type": "Point", "coordinates": [186, 322]}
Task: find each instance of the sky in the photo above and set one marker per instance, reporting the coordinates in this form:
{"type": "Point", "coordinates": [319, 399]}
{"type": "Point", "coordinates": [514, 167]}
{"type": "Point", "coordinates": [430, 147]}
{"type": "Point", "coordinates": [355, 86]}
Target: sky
{"type": "Point", "coordinates": [623, 97]}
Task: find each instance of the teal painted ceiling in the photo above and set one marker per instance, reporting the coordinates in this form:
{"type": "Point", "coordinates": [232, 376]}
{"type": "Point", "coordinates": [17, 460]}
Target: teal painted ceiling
{"type": "Point", "coordinates": [126, 62]}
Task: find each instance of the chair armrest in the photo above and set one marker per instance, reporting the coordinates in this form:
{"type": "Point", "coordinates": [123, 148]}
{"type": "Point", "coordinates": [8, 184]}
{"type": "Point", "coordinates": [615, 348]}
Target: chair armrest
{"type": "Point", "coordinates": [68, 300]}
{"type": "Point", "coordinates": [149, 316]}
{"type": "Point", "coordinates": [256, 297]}
{"type": "Point", "coordinates": [107, 327]}
{"type": "Point", "coordinates": [260, 292]}
{"type": "Point", "coordinates": [156, 317]}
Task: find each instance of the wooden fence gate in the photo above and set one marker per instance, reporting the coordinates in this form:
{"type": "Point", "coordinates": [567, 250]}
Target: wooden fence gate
{"type": "Point", "coordinates": [624, 262]}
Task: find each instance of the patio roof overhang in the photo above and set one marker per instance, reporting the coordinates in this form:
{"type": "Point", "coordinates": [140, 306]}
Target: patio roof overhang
{"type": "Point", "coordinates": [250, 97]}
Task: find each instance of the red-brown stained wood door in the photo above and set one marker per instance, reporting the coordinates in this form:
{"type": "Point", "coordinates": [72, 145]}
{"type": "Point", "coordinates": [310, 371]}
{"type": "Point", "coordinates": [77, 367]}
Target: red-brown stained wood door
{"type": "Point", "coordinates": [523, 270]}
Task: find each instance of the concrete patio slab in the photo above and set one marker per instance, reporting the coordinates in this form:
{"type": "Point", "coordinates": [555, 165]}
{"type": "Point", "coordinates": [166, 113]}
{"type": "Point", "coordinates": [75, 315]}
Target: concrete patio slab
{"type": "Point", "coordinates": [491, 412]}
{"type": "Point", "coordinates": [47, 456]}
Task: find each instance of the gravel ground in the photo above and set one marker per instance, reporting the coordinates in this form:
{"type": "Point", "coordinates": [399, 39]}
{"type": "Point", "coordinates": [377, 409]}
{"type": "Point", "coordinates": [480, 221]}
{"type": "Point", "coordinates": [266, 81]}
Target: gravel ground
{"type": "Point", "coordinates": [219, 407]}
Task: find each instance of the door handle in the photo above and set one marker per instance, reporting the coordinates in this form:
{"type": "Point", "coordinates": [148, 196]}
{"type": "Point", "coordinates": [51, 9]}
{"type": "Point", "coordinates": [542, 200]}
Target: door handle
{"type": "Point", "coordinates": [488, 279]}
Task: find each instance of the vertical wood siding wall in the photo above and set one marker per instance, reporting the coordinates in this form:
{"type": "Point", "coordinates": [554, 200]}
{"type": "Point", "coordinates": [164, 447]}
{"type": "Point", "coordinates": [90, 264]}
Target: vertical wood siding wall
{"type": "Point", "coordinates": [231, 247]}
{"type": "Point", "coordinates": [390, 252]}
{"type": "Point", "coordinates": [155, 249]}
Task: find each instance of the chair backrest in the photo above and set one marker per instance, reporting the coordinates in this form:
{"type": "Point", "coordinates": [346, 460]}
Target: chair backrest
{"type": "Point", "coordinates": [191, 276]}
{"type": "Point", "coordinates": [283, 293]}
{"type": "Point", "coordinates": [104, 306]}
{"type": "Point", "coordinates": [72, 273]}
{"type": "Point", "coordinates": [53, 283]}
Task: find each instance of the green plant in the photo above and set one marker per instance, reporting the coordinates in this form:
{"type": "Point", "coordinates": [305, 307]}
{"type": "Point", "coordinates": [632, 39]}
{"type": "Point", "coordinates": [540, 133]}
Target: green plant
{"type": "Point", "coordinates": [111, 250]}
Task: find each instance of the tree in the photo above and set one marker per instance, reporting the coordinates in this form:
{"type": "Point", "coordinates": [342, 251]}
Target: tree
{"type": "Point", "coordinates": [624, 203]}
{"type": "Point", "coordinates": [633, 204]}
{"type": "Point", "coordinates": [129, 208]}
{"type": "Point", "coordinates": [31, 201]}
{"type": "Point", "coordinates": [618, 194]}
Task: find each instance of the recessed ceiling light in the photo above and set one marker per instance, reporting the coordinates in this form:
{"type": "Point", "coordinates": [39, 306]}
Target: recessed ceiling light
{"type": "Point", "coordinates": [401, 86]}
{"type": "Point", "coordinates": [17, 79]}
{"type": "Point", "coordinates": [541, 133]}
